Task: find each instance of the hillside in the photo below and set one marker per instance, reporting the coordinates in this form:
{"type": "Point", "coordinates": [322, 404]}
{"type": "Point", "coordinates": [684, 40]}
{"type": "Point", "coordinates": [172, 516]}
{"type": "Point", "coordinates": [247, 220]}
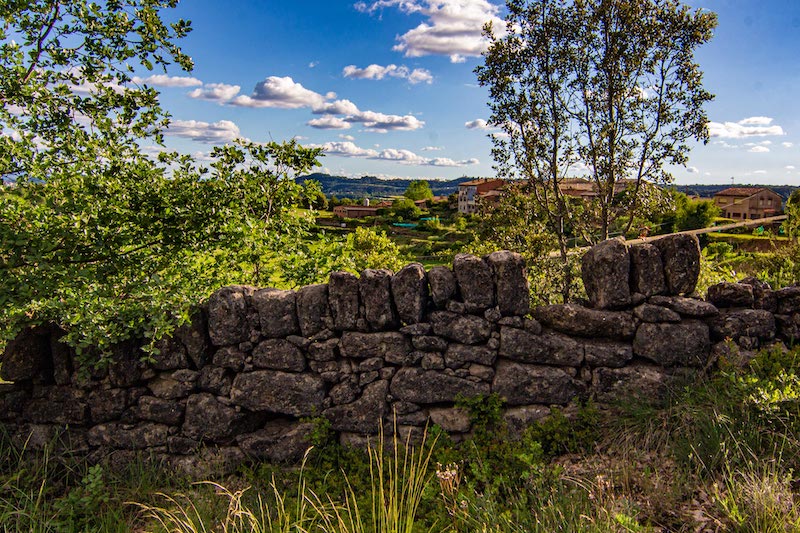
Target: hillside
{"type": "Point", "coordinates": [373, 187]}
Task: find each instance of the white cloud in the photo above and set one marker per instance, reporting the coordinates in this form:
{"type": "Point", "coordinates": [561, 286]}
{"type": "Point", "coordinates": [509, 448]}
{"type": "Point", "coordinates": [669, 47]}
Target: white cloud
{"type": "Point", "coordinates": [748, 127]}
{"type": "Point", "coordinates": [787, 144]}
{"type": "Point", "coordinates": [377, 72]}
{"type": "Point", "coordinates": [339, 107]}
{"type": "Point", "coordinates": [432, 148]}
{"type": "Point", "coordinates": [692, 170]}
{"type": "Point", "coordinates": [212, 133]}
{"type": "Point", "coordinates": [313, 64]}
{"type": "Point", "coordinates": [162, 80]}
{"type": "Point", "coordinates": [378, 122]}
{"type": "Point", "coordinates": [346, 137]}
{"type": "Point", "coordinates": [759, 149]}
{"type": "Point", "coordinates": [329, 122]}
{"type": "Point", "coordinates": [215, 92]}
{"type": "Point", "coordinates": [477, 124]}
{"type": "Point", "coordinates": [790, 167]}
{"type": "Point", "coordinates": [759, 172]}
{"type": "Point", "coordinates": [283, 93]}
{"type": "Point", "coordinates": [452, 27]}
{"type": "Point", "coordinates": [402, 156]}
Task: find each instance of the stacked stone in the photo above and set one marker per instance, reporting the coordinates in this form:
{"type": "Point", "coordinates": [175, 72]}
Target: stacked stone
{"type": "Point", "coordinates": [386, 351]}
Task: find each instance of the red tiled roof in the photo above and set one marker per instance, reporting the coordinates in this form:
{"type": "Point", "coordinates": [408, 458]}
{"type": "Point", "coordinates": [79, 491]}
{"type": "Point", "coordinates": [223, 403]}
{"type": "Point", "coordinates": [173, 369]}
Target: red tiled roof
{"type": "Point", "coordinates": [479, 181]}
{"type": "Point", "coordinates": [740, 191]}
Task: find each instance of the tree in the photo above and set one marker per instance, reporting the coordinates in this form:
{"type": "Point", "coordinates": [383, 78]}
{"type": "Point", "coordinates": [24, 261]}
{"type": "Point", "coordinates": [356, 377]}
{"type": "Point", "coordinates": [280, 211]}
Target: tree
{"type": "Point", "coordinates": [418, 190]}
{"type": "Point", "coordinates": [96, 236]}
{"type": "Point", "coordinates": [605, 90]}
{"type": "Point", "coordinates": [405, 209]}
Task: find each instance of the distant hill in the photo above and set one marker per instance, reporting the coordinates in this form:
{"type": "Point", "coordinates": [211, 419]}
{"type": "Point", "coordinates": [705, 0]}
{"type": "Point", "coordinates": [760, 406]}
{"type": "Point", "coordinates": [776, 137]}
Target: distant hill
{"type": "Point", "coordinates": [372, 187]}
{"type": "Point", "coordinates": [707, 191]}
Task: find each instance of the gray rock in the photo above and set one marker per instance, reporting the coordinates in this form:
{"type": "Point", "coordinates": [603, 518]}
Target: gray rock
{"type": "Point", "coordinates": [344, 392]}
{"type": "Point", "coordinates": [364, 415]}
{"type": "Point", "coordinates": [228, 315]}
{"type": "Point", "coordinates": [26, 356]}
{"type": "Point", "coordinates": [277, 312]}
{"type": "Point", "coordinates": [474, 278]}
{"type": "Point", "coordinates": [323, 351]}
{"type": "Point", "coordinates": [170, 354]}
{"type": "Point", "coordinates": [313, 313]}
{"type": "Point", "coordinates": [608, 353]}
{"type": "Point", "coordinates": [788, 327]}
{"type": "Point", "coordinates": [763, 295]}
{"type": "Point", "coordinates": [376, 296]}
{"type": "Point", "coordinates": [423, 328]}
{"type": "Point", "coordinates": [208, 418]}
{"type": "Point", "coordinates": [518, 419]}
{"type": "Point", "coordinates": [214, 380]}
{"type": "Point", "coordinates": [278, 354]}
{"type": "Point", "coordinates": [433, 361]}
{"type": "Point", "coordinates": [172, 385]}
{"type": "Point", "coordinates": [637, 380]}
{"type": "Point", "coordinates": [194, 336]}
{"type": "Point", "coordinates": [443, 285]}
{"type": "Point", "coordinates": [343, 300]}
{"type": "Point", "coordinates": [61, 405]}
{"type": "Point", "coordinates": [688, 307]}
{"type": "Point", "coordinates": [230, 357]}
{"type": "Point", "coordinates": [549, 348]}
{"type": "Point", "coordinates": [390, 346]}
{"type": "Point", "coordinates": [511, 282]}
{"type": "Point", "coordinates": [108, 404]}
{"type": "Point", "coordinates": [684, 344]}
{"type": "Point", "coordinates": [465, 329]}
{"type": "Point", "coordinates": [158, 410]}
{"type": "Point", "coordinates": [647, 270]}
{"type": "Point", "coordinates": [429, 386]}
{"type": "Point", "coordinates": [680, 255]}
{"type": "Point", "coordinates": [126, 437]}
{"type": "Point", "coordinates": [429, 343]}
{"type": "Point", "coordinates": [576, 320]}
{"type": "Point", "coordinates": [605, 270]}
{"type": "Point", "coordinates": [450, 419]}
{"type": "Point", "coordinates": [280, 441]}
{"type": "Point", "coordinates": [788, 300]}
{"type": "Point", "coordinates": [655, 314]}
{"type": "Point", "coordinates": [410, 293]}
{"type": "Point", "coordinates": [457, 355]}
{"type": "Point", "coordinates": [279, 392]}
{"type": "Point", "coordinates": [743, 323]}
{"type": "Point", "coordinates": [521, 384]}
{"type": "Point", "coordinates": [727, 294]}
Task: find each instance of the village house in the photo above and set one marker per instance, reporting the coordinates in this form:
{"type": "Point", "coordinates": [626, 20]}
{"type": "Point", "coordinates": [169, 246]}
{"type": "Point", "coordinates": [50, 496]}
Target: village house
{"type": "Point", "coordinates": [359, 211]}
{"type": "Point", "coordinates": [742, 203]}
{"type": "Point", "coordinates": [470, 192]}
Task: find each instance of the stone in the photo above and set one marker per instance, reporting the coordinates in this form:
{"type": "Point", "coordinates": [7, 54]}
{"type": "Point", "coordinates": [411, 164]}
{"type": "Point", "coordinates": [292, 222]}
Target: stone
{"type": "Point", "coordinates": [605, 270]}
{"type": "Point", "coordinates": [108, 404]}
{"type": "Point", "coordinates": [429, 343]}
{"type": "Point", "coordinates": [280, 441]}
{"type": "Point", "coordinates": [638, 380]}
{"type": "Point", "coordinates": [647, 270]}
{"type": "Point", "coordinates": [344, 392]}
{"type": "Point", "coordinates": [549, 348]}
{"type": "Point", "coordinates": [230, 357]}
{"type": "Point", "coordinates": [432, 361]}
{"type": "Point", "coordinates": [390, 346]}
{"type": "Point", "coordinates": [61, 405]}
{"type": "Point", "coordinates": [323, 351]}
{"type": "Point", "coordinates": [170, 355]}
{"type": "Point", "coordinates": [166, 386]}
{"type": "Point", "coordinates": [788, 300]}
{"type": "Point", "coordinates": [763, 295]}
{"type": "Point", "coordinates": [313, 313]}
{"type": "Point", "coordinates": [277, 312]}
{"type": "Point", "coordinates": [279, 392]}
{"type": "Point", "coordinates": [493, 315]}
{"type": "Point", "coordinates": [788, 327]}
{"type": "Point", "coordinates": [159, 410]}
{"type": "Point", "coordinates": [474, 278]}
{"type": "Point", "coordinates": [457, 355]}
{"type": "Point", "coordinates": [511, 282]}
{"type": "Point", "coordinates": [209, 463]}
{"type": "Point", "coordinates": [523, 384]}
{"type": "Point", "coordinates": [214, 380]}
{"type": "Point", "coordinates": [604, 352]}
{"type": "Point", "coordinates": [728, 294]}
{"type": "Point", "coordinates": [688, 307]}
{"type": "Point", "coordinates": [532, 325]}
{"type": "Point", "coordinates": [343, 300]}
{"type": "Point", "coordinates": [180, 445]}
{"type": "Point", "coordinates": [482, 372]}
{"type": "Point", "coordinates": [228, 315]}
{"type": "Point", "coordinates": [420, 386]}
{"type": "Point", "coordinates": [743, 323]}
{"type": "Point", "coordinates": [410, 293]}
{"type": "Point", "coordinates": [194, 337]}
{"type": "Point", "coordinates": [680, 254]}
{"type": "Point", "coordinates": [423, 328]}
{"type": "Point", "coordinates": [126, 367]}
{"type": "Point", "coordinates": [577, 320]}
{"type": "Point", "coordinates": [61, 356]}
{"type": "Point", "coordinates": [278, 354]}
{"type": "Point", "coordinates": [466, 329]}
{"type": "Point", "coordinates": [364, 415]}
{"type": "Point", "coordinates": [684, 344]}
{"type": "Point", "coordinates": [376, 296]}
{"type": "Point", "coordinates": [443, 286]}
{"type": "Point", "coordinates": [128, 437]}
{"type": "Point", "coordinates": [209, 419]}
{"type": "Point", "coordinates": [655, 314]}
{"type": "Point", "coordinates": [26, 356]}
{"type": "Point", "coordinates": [450, 419]}
{"type": "Point", "coordinates": [520, 418]}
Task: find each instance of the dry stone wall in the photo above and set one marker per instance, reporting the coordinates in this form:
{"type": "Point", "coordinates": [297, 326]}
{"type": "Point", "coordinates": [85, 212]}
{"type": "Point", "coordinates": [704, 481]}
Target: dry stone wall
{"type": "Point", "coordinates": [390, 350]}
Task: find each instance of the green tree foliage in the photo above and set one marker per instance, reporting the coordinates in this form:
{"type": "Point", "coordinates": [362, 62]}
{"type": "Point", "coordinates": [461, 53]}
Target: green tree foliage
{"type": "Point", "coordinates": [418, 190]}
{"type": "Point", "coordinates": [94, 235]}
{"type": "Point", "coordinates": [405, 209]}
{"type": "Point", "coordinates": [606, 90]}
{"type": "Point", "coordinates": [693, 214]}
{"type": "Point", "coordinates": [791, 226]}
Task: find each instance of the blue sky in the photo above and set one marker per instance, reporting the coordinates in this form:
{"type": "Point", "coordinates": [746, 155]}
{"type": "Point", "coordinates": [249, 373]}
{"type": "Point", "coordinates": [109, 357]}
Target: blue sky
{"type": "Point", "coordinates": [387, 88]}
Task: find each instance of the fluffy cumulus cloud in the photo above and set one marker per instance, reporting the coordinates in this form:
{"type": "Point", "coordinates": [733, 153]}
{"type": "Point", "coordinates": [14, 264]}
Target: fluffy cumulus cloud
{"type": "Point", "coordinates": [787, 144]}
{"type": "Point", "coordinates": [378, 122]}
{"type": "Point", "coordinates": [162, 80]}
{"type": "Point", "coordinates": [402, 156]}
{"type": "Point", "coordinates": [329, 122]}
{"type": "Point", "coordinates": [280, 92]}
{"type": "Point", "coordinates": [378, 72]}
{"type": "Point", "coordinates": [338, 107]}
{"type": "Point", "coordinates": [215, 92]}
{"type": "Point", "coordinates": [748, 127]}
{"type": "Point", "coordinates": [220, 132]}
{"type": "Point", "coordinates": [451, 27]}
{"type": "Point", "coordinates": [692, 170]}
{"type": "Point", "coordinates": [477, 124]}
{"type": "Point", "coordinates": [432, 148]}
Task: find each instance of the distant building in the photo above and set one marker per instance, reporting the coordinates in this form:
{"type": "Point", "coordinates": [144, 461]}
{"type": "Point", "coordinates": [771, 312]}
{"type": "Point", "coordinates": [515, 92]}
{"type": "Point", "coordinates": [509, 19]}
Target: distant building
{"type": "Point", "coordinates": [742, 203]}
{"type": "Point", "coordinates": [470, 192]}
{"type": "Point", "coordinates": [358, 211]}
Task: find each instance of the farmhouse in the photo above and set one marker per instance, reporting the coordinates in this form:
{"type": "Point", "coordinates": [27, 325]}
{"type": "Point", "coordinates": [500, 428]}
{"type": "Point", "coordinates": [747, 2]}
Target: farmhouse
{"type": "Point", "coordinates": [742, 203]}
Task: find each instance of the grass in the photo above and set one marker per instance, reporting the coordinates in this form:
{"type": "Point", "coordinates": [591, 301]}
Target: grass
{"type": "Point", "coordinates": [719, 456]}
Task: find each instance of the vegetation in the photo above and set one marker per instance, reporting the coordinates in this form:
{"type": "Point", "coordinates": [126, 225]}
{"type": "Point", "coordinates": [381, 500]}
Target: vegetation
{"type": "Point", "coordinates": [419, 190]}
